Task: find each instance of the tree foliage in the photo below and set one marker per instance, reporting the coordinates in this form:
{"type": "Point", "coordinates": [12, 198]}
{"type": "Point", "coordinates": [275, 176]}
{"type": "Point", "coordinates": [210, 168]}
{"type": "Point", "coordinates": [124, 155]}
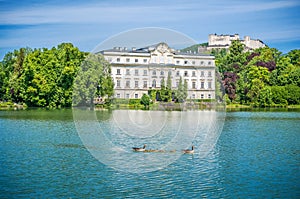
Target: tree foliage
{"type": "Point", "coordinates": [93, 80]}
{"type": "Point", "coordinates": [262, 78]}
{"type": "Point", "coordinates": [53, 77]}
{"type": "Point", "coordinates": [40, 77]}
{"type": "Point", "coordinates": [145, 100]}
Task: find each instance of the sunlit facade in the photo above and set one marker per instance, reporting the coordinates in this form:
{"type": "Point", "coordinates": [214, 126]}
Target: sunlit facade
{"type": "Point", "coordinates": [135, 71]}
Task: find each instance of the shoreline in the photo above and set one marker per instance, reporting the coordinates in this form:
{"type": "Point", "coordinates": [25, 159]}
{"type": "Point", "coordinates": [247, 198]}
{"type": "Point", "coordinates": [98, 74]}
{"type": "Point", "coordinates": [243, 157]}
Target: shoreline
{"type": "Point", "coordinates": [9, 106]}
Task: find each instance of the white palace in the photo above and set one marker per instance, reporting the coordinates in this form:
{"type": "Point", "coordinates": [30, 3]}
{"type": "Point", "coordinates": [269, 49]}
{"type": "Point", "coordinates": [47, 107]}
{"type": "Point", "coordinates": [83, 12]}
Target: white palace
{"type": "Point", "coordinates": [135, 71]}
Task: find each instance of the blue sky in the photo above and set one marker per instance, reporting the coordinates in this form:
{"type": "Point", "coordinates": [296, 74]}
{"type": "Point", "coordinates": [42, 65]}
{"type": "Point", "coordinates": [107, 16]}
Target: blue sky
{"type": "Point", "coordinates": [38, 24]}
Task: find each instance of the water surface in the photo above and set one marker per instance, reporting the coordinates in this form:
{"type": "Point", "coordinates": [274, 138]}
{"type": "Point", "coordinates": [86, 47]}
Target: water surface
{"type": "Point", "coordinates": [256, 156]}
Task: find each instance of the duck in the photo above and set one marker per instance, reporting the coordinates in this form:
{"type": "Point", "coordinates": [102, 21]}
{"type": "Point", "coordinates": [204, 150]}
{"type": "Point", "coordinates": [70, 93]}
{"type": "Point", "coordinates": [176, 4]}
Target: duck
{"type": "Point", "coordinates": [189, 151]}
{"type": "Point", "coordinates": [139, 149]}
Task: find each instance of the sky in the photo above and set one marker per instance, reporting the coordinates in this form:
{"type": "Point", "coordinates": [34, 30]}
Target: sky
{"type": "Point", "coordinates": [38, 24]}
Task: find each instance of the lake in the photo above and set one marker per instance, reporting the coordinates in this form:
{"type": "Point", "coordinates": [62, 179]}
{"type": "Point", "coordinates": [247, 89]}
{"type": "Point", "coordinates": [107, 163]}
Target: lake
{"type": "Point", "coordinates": [59, 154]}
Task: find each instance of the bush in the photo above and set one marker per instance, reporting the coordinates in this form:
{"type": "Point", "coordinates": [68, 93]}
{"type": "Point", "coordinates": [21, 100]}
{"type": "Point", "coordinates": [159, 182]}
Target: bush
{"type": "Point", "coordinates": [145, 100]}
{"type": "Point", "coordinates": [134, 101]}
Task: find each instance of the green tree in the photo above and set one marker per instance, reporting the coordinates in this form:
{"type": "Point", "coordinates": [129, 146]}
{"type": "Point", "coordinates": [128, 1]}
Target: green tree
{"type": "Point", "coordinates": [257, 77]}
{"type": "Point", "coordinates": [169, 89]}
{"type": "Point", "coordinates": [145, 100]}
{"type": "Point", "coordinates": [94, 78]}
{"type": "Point", "coordinates": [293, 96]}
{"type": "Point", "coordinates": [279, 95]}
{"type": "Point", "coordinates": [49, 74]}
{"type": "Point", "coordinates": [181, 92]}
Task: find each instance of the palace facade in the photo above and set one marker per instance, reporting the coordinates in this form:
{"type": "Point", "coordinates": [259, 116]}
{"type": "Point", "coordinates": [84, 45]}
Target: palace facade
{"type": "Point", "coordinates": [135, 71]}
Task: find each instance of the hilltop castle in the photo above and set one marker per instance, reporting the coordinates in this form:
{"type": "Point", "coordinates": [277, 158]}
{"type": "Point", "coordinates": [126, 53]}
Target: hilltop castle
{"type": "Point", "coordinates": [224, 41]}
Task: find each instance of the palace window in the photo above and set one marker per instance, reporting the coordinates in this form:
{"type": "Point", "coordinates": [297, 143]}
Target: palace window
{"type": "Point", "coordinates": [127, 83]}
{"type": "Point", "coordinates": [193, 85]}
{"type": "Point", "coordinates": [193, 96]}
{"type": "Point", "coordinates": [177, 62]}
{"type": "Point", "coordinates": [127, 95]}
{"type": "Point", "coordinates": [194, 73]}
{"type": "Point", "coordinates": [145, 84]}
{"type": "Point", "coordinates": [118, 59]}
{"type": "Point", "coordinates": [202, 73]}
{"type": "Point", "coordinates": [136, 72]}
{"type": "Point", "coordinates": [136, 84]}
{"type": "Point", "coordinates": [209, 63]}
{"type": "Point", "coordinates": [162, 72]}
{"type": "Point", "coordinates": [145, 60]}
{"type": "Point", "coordinates": [136, 60]}
{"type": "Point", "coordinates": [202, 62]}
{"type": "Point", "coordinates": [193, 62]}
{"type": "Point", "coordinates": [185, 73]}
{"type": "Point", "coordinates": [177, 73]}
{"type": "Point", "coordinates": [154, 83]}
{"type": "Point", "coordinates": [209, 96]}
{"type": "Point", "coordinates": [118, 95]}
{"type": "Point", "coordinates": [209, 85]}
{"type": "Point", "coordinates": [154, 59]}
{"type": "Point", "coordinates": [118, 83]}
{"type": "Point", "coordinates": [202, 85]}
{"type": "Point", "coordinates": [209, 73]}
{"type": "Point", "coordinates": [127, 59]}
{"type": "Point", "coordinates": [202, 96]}
{"type": "Point", "coordinates": [161, 59]}
{"type": "Point", "coordinates": [170, 73]}
{"type": "Point", "coordinates": [136, 96]}
{"type": "Point", "coordinates": [145, 72]}
{"type": "Point", "coordinates": [118, 71]}
{"type": "Point", "coordinates": [185, 62]}
{"type": "Point", "coordinates": [154, 72]}
{"type": "Point", "coordinates": [127, 71]}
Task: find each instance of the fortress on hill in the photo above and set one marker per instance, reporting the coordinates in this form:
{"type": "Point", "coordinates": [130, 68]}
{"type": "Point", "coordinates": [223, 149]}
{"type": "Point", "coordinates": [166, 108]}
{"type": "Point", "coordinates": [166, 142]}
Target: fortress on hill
{"type": "Point", "coordinates": [224, 41]}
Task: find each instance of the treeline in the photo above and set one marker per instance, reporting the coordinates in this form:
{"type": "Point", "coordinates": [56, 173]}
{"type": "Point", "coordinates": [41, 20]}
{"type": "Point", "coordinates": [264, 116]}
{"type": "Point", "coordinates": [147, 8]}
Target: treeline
{"type": "Point", "coordinates": [40, 77]}
{"type": "Point", "coordinates": [53, 77]}
{"type": "Point", "coordinates": [262, 78]}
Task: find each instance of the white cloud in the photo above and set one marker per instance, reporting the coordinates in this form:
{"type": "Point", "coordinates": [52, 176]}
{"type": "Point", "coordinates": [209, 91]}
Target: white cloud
{"type": "Point", "coordinates": [246, 6]}
{"type": "Point", "coordinates": [100, 13]}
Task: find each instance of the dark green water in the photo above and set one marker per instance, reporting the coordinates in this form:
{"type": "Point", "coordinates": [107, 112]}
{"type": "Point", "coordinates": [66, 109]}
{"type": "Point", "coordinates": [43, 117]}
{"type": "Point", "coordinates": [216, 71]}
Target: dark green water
{"type": "Point", "coordinates": [256, 156]}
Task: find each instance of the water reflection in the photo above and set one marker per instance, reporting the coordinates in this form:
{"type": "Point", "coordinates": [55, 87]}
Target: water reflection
{"type": "Point", "coordinates": [111, 136]}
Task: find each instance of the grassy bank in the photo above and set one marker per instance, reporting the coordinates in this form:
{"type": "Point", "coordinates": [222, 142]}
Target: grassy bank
{"type": "Point", "coordinates": [12, 106]}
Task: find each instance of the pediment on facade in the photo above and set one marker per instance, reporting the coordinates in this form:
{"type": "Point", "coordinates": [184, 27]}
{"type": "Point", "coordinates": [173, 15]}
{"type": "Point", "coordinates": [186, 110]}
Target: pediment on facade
{"type": "Point", "coordinates": [162, 49]}
{"type": "Point", "coordinates": [161, 54]}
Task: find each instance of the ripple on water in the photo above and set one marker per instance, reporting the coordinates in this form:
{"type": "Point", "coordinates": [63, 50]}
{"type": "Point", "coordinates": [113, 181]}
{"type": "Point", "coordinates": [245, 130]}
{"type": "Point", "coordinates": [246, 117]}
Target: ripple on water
{"type": "Point", "coordinates": [256, 156]}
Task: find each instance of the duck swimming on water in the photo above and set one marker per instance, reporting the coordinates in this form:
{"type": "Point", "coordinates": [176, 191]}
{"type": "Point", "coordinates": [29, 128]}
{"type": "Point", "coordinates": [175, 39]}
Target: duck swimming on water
{"type": "Point", "coordinates": [139, 149]}
{"type": "Point", "coordinates": [189, 151]}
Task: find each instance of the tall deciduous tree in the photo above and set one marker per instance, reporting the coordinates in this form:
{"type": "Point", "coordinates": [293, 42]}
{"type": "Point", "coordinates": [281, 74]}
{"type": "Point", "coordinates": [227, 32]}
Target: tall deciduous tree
{"type": "Point", "coordinates": [93, 80]}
